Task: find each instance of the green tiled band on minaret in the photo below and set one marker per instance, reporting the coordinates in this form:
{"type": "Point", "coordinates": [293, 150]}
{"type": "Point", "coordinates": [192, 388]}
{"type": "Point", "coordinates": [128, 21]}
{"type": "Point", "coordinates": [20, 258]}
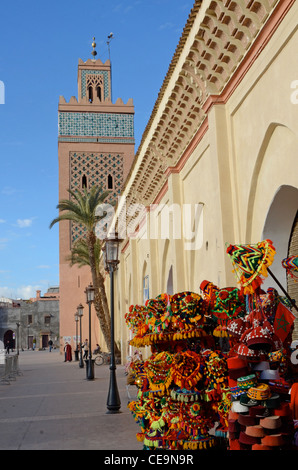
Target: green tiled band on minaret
{"type": "Point", "coordinates": [95, 124]}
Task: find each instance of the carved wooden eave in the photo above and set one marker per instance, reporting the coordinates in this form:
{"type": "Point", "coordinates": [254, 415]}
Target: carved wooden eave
{"type": "Point", "coordinates": [215, 41]}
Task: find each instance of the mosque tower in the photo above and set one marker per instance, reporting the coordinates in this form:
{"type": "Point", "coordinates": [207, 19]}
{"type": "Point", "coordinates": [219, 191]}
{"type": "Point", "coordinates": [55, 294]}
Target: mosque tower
{"type": "Point", "coordinates": [95, 147]}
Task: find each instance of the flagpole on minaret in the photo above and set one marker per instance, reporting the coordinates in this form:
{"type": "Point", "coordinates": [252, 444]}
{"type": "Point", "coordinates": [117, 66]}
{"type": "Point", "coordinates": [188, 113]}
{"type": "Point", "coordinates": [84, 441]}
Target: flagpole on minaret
{"type": "Point", "coordinates": [110, 37]}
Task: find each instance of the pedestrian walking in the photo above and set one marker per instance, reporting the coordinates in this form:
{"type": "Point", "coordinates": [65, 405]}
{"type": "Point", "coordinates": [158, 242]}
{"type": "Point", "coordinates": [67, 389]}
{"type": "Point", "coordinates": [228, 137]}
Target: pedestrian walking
{"type": "Point", "coordinates": [50, 345]}
{"type": "Point", "coordinates": [86, 349]}
{"type": "Point", "coordinates": [7, 347]}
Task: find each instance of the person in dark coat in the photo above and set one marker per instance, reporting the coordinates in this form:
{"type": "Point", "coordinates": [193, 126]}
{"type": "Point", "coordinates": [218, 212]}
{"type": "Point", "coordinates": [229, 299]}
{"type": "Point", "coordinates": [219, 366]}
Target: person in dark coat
{"type": "Point", "coordinates": [68, 355]}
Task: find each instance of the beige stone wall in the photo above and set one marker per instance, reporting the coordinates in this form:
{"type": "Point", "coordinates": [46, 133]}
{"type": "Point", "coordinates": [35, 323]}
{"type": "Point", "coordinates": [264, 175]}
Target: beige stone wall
{"type": "Point", "coordinates": [240, 165]}
{"type": "Point", "coordinates": [263, 128]}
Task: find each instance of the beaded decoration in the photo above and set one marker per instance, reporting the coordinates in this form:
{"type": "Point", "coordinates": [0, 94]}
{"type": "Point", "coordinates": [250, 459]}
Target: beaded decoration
{"type": "Point", "coordinates": [186, 369]}
{"type": "Point", "coordinates": [159, 371]}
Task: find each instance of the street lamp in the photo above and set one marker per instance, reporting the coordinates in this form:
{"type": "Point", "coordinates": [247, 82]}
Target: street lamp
{"type": "Point", "coordinates": [89, 291]}
{"type": "Point", "coordinates": [18, 326]}
{"type": "Point", "coordinates": [111, 261]}
{"type": "Point", "coordinates": [28, 326]}
{"type": "Point", "coordinates": [80, 309]}
{"type": "Point", "coordinates": [76, 351]}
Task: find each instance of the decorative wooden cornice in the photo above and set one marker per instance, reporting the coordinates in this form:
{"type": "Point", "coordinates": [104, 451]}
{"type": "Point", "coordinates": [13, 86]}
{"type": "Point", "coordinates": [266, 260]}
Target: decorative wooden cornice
{"type": "Point", "coordinates": [214, 44]}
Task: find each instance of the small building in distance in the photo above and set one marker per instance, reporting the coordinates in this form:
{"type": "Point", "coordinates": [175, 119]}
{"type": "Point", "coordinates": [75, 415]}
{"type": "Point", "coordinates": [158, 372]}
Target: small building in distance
{"type": "Point", "coordinates": [28, 324]}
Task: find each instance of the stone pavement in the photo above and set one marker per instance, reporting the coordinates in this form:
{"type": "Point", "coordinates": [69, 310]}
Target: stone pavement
{"type": "Point", "coordinates": [52, 406]}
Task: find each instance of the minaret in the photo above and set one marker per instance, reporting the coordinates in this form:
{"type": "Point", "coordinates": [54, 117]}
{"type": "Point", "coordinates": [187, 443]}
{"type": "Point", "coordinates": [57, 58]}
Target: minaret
{"type": "Point", "coordinates": [95, 147]}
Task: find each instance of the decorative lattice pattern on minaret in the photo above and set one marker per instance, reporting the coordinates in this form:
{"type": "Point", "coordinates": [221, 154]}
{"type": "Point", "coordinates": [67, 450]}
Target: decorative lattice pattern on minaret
{"type": "Point", "coordinates": [100, 169]}
{"type": "Point", "coordinates": [103, 75]}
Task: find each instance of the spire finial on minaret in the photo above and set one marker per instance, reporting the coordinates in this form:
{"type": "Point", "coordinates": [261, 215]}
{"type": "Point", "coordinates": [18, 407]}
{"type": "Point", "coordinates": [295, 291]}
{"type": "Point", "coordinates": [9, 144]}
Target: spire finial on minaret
{"type": "Point", "coordinates": [94, 53]}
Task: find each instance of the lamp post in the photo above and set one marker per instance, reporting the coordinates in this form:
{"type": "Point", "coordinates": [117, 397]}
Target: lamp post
{"type": "Point", "coordinates": [89, 291]}
{"type": "Point", "coordinates": [80, 309]}
{"type": "Point", "coordinates": [28, 326]}
{"type": "Point", "coordinates": [76, 351]}
{"type": "Point", "coordinates": [18, 348]}
{"type": "Point", "coordinates": [111, 260]}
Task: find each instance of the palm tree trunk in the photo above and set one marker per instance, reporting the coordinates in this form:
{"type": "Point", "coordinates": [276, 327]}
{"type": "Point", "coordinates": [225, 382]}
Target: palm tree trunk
{"type": "Point", "coordinates": [106, 331]}
{"type": "Point", "coordinates": [100, 301]}
{"type": "Point", "coordinates": [104, 299]}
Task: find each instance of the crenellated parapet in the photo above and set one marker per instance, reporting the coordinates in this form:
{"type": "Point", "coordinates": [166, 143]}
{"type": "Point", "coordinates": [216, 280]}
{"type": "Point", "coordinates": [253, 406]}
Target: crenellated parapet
{"type": "Point", "coordinates": [73, 101]}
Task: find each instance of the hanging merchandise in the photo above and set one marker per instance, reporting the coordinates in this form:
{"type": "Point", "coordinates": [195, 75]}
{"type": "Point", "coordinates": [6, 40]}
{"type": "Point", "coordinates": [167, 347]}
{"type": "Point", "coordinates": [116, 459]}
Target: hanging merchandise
{"type": "Point", "coordinates": [188, 311]}
{"type": "Point", "coordinates": [223, 305]}
{"type": "Point", "coordinates": [260, 417]}
{"type": "Point", "coordinates": [159, 371]}
{"type": "Point", "coordinates": [219, 373]}
{"type": "Point", "coordinates": [291, 266]}
{"type": "Point", "coordinates": [183, 389]}
{"type": "Point", "coordinates": [186, 369]}
{"type": "Point", "coordinates": [251, 263]}
{"type": "Point", "coordinates": [167, 318]}
{"type": "Point", "coordinates": [283, 321]}
{"type": "Point", "coordinates": [136, 319]}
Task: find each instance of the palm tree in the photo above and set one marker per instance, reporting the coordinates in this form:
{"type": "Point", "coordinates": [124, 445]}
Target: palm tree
{"type": "Point", "coordinates": [80, 255]}
{"type": "Point", "coordinates": [81, 208]}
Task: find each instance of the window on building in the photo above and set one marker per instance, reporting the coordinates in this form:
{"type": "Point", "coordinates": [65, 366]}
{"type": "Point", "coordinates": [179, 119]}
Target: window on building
{"type": "Point", "coordinates": [110, 182]}
{"type": "Point", "coordinates": [90, 93]}
{"type": "Point", "coordinates": [98, 92]}
{"type": "Point", "coordinates": [84, 181]}
{"type": "Point", "coordinates": [145, 289]}
{"type": "Point", "coordinates": [47, 320]}
{"type": "Point", "coordinates": [29, 319]}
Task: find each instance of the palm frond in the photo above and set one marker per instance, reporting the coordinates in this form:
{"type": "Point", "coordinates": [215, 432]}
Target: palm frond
{"type": "Point", "coordinates": [81, 207]}
{"type": "Point", "coordinates": [80, 253]}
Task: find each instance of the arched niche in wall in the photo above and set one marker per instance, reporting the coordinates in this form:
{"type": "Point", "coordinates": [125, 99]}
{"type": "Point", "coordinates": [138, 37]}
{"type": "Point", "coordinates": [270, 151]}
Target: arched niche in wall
{"type": "Point", "coordinates": [273, 168]}
{"type": "Point", "coordinates": [278, 228]}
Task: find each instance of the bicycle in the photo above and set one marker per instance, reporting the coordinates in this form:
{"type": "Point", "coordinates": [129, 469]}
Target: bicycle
{"type": "Point", "coordinates": [102, 358]}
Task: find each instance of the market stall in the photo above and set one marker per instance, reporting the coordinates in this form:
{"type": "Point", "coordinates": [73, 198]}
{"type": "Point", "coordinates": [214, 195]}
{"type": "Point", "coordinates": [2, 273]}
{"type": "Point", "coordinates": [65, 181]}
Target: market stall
{"type": "Point", "coordinates": [219, 374]}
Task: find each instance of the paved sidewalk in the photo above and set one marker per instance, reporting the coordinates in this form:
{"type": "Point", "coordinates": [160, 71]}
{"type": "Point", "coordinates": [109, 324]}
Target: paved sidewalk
{"type": "Point", "coordinates": [52, 406]}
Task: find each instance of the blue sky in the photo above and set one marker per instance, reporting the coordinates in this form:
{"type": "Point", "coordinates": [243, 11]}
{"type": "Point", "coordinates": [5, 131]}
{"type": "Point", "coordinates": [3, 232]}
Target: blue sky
{"type": "Point", "coordinates": [40, 44]}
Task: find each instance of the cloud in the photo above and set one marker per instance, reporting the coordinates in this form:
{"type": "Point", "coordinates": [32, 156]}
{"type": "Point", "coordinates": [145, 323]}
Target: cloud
{"type": "Point", "coordinates": [125, 8]}
{"type": "Point", "coordinates": [22, 292]}
{"type": "Point", "coordinates": [167, 25]}
{"type": "Point", "coordinates": [2, 221]}
{"type": "Point", "coordinates": [3, 243]}
{"type": "Point", "coordinates": [8, 191]}
{"type": "Point", "coordinates": [26, 292]}
{"type": "Point", "coordinates": [43, 266]}
{"type": "Point", "coordinates": [24, 223]}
